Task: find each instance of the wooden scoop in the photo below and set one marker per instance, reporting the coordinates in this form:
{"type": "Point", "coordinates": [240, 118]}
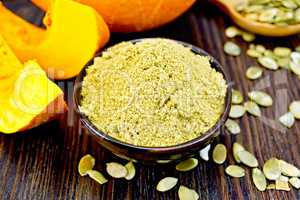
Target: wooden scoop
{"type": "Point", "coordinates": [228, 6]}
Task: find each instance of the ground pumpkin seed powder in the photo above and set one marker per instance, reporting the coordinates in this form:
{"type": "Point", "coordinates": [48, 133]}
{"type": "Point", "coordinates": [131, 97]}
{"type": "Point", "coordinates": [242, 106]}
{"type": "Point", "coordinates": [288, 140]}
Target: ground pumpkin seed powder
{"type": "Point", "coordinates": [153, 93]}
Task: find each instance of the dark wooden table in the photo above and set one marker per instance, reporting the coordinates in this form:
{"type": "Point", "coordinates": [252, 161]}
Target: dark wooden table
{"type": "Point", "coordinates": [42, 163]}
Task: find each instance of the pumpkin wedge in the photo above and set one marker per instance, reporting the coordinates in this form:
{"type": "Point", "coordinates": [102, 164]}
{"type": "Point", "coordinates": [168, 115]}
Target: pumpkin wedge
{"type": "Point", "coordinates": [74, 32]}
{"type": "Point", "coordinates": [29, 98]}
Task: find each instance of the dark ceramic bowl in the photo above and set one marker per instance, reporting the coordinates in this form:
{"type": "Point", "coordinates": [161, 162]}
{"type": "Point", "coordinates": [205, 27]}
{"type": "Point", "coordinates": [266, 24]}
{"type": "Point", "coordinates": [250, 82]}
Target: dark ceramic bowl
{"type": "Point", "coordinates": [153, 155]}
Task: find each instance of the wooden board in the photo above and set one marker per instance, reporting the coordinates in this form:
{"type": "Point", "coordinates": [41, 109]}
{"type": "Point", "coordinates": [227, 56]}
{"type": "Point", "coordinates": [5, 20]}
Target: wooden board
{"type": "Point", "coordinates": [42, 163]}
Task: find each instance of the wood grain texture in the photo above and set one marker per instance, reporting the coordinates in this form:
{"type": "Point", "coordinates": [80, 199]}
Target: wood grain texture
{"type": "Point", "coordinates": [42, 163]}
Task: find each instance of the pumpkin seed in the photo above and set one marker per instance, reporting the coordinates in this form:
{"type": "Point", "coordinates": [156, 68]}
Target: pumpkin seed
{"type": "Point", "coordinates": [295, 68]}
{"type": "Point", "coordinates": [96, 176]}
{"type": "Point", "coordinates": [116, 170]}
{"type": "Point", "coordinates": [252, 108]}
{"type": "Point", "coordinates": [295, 182]}
{"type": "Point", "coordinates": [268, 63]}
{"type": "Point", "coordinates": [204, 153]}
{"type": "Point", "coordinates": [287, 120]}
{"type": "Point", "coordinates": [166, 184]}
{"type": "Point", "coordinates": [236, 149]}
{"type": "Point", "coordinates": [283, 178]}
{"type": "Point", "coordinates": [284, 63]}
{"type": "Point", "coordinates": [295, 109]}
{"type": "Point", "coordinates": [235, 171]}
{"type": "Point", "coordinates": [185, 193]}
{"type": "Point", "coordinates": [253, 53]}
{"type": "Point", "coordinates": [237, 97]}
{"type": "Point", "coordinates": [187, 165]}
{"type": "Point", "coordinates": [260, 48]}
{"type": "Point", "coordinates": [219, 153]}
{"type": "Point", "coordinates": [295, 56]}
{"type": "Point", "coordinates": [272, 169]}
{"type": "Point", "coordinates": [282, 185]}
{"type": "Point", "coordinates": [288, 169]}
{"type": "Point", "coordinates": [236, 111]}
{"type": "Point", "coordinates": [259, 179]}
{"type": "Point", "coordinates": [130, 171]}
{"type": "Point", "coordinates": [232, 126]}
{"type": "Point", "coordinates": [282, 51]}
{"type": "Point", "coordinates": [248, 37]}
{"type": "Point", "coordinates": [232, 49]}
{"type": "Point", "coordinates": [271, 186]}
{"type": "Point", "coordinates": [232, 32]}
{"type": "Point", "coordinates": [261, 98]}
{"type": "Point", "coordinates": [247, 158]}
{"type": "Point", "coordinates": [86, 163]}
{"type": "Point", "coordinates": [254, 72]}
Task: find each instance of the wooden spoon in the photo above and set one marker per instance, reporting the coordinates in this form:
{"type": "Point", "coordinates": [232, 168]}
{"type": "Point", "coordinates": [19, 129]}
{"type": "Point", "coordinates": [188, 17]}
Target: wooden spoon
{"type": "Point", "coordinates": [228, 6]}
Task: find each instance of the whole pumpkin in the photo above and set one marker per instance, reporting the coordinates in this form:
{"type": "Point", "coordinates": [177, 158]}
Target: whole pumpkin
{"type": "Point", "coordinates": [134, 15]}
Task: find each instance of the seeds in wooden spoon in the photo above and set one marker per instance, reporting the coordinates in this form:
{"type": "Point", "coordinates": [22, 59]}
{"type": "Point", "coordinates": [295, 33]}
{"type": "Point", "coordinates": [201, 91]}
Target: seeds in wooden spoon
{"type": "Point", "coordinates": [116, 170]}
{"type": "Point", "coordinates": [232, 49]}
{"type": "Point", "coordinates": [232, 126]}
{"type": "Point", "coordinates": [236, 148]}
{"type": "Point", "coordinates": [282, 185]}
{"type": "Point", "coordinates": [295, 182]}
{"type": "Point", "coordinates": [282, 51]}
{"type": "Point", "coordinates": [295, 109]}
{"type": "Point", "coordinates": [235, 171]}
{"type": "Point", "coordinates": [237, 97]}
{"type": "Point", "coordinates": [252, 108]}
{"type": "Point", "coordinates": [261, 98]}
{"type": "Point", "coordinates": [204, 153]}
{"type": "Point", "coordinates": [97, 176]}
{"type": "Point", "coordinates": [232, 32]}
{"type": "Point", "coordinates": [187, 165]}
{"type": "Point", "coordinates": [166, 184]}
{"type": "Point", "coordinates": [219, 153]}
{"type": "Point", "coordinates": [288, 169]}
{"type": "Point", "coordinates": [185, 193]}
{"type": "Point", "coordinates": [268, 63]}
{"type": "Point", "coordinates": [130, 171]}
{"type": "Point", "coordinates": [86, 163]}
{"type": "Point", "coordinates": [287, 120]}
{"type": "Point", "coordinates": [236, 111]}
{"type": "Point", "coordinates": [247, 158]}
{"type": "Point", "coordinates": [272, 169]}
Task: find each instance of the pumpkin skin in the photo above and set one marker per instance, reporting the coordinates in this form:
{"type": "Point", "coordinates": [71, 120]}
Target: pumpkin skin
{"type": "Point", "coordinates": [65, 46]}
{"type": "Point", "coordinates": [133, 15]}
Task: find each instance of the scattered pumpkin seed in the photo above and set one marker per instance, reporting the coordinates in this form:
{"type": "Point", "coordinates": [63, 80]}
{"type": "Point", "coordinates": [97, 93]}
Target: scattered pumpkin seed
{"type": "Point", "coordinates": [204, 153]}
{"type": "Point", "coordinates": [287, 120]}
{"type": "Point", "coordinates": [288, 169]}
{"type": "Point", "coordinates": [253, 53]}
{"type": "Point", "coordinates": [237, 97]}
{"type": "Point", "coordinates": [259, 179]}
{"type": "Point", "coordinates": [232, 126]}
{"type": "Point", "coordinates": [96, 176]}
{"type": "Point", "coordinates": [295, 109]}
{"type": "Point", "coordinates": [236, 148]}
{"type": "Point", "coordinates": [219, 153]}
{"type": "Point", "coordinates": [232, 49]}
{"type": "Point", "coordinates": [282, 185]}
{"type": "Point", "coordinates": [282, 51]}
{"type": "Point", "coordinates": [185, 193]}
{"type": "Point", "coordinates": [283, 178]}
{"type": "Point", "coordinates": [248, 37]}
{"type": "Point", "coordinates": [295, 56]}
{"type": "Point", "coordinates": [232, 32]}
{"type": "Point", "coordinates": [268, 62]}
{"type": "Point", "coordinates": [271, 186]}
{"type": "Point", "coordinates": [235, 171]}
{"type": "Point", "coordinates": [260, 48]}
{"type": "Point", "coordinates": [261, 98]}
{"type": "Point", "coordinates": [247, 158]}
{"type": "Point", "coordinates": [116, 170]}
{"type": "Point", "coordinates": [295, 68]}
{"type": "Point", "coordinates": [130, 171]}
{"type": "Point", "coordinates": [236, 111]}
{"type": "Point", "coordinates": [272, 169]}
{"type": "Point", "coordinates": [187, 165]}
{"type": "Point", "coordinates": [284, 63]}
{"type": "Point", "coordinates": [254, 72]}
{"type": "Point", "coordinates": [86, 163]}
{"type": "Point", "coordinates": [166, 184]}
{"type": "Point", "coordinates": [252, 108]}
{"type": "Point", "coordinates": [295, 182]}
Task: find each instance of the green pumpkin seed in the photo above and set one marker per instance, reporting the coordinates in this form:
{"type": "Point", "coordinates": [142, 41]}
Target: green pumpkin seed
{"type": "Point", "coordinates": [260, 48]}
{"type": "Point", "coordinates": [295, 109]}
{"type": "Point", "coordinates": [237, 97]}
{"type": "Point", "coordinates": [268, 15]}
{"type": "Point", "coordinates": [288, 169]}
{"type": "Point", "coordinates": [86, 163]}
{"type": "Point", "coordinates": [116, 170]}
{"type": "Point", "coordinates": [272, 169]}
{"type": "Point", "coordinates": [282, 185]}
{"type": "Point", "coordinates": [248, 37]}
{"type": "Point", "coordinates": [219, 154]}
{"type": "Point", "coordinates": [295, 57]}
{"type": "Point", "coordinates": [252, 108]}
{"type": "Point", "coordinates": [236, 111]}
{"type": "Point", "coordinates": [204, 153]}
{"type": "Point", "coordinates": [295, 182]}
{"type": "Point", "coordinates": [268, 63]}
{"type": "Point", "coordinates": [253, 53]}
{"type": "Point", "coordinates": [232, 126]}
{"type": "Point", "coordinates": [282, 51]}
{"type": "Point", "coordinates": [232, 32]}
{"type": "Point", "coordinates": [166, 184]}
{"type": "Point", "coordinates": [271, 186]}
{"type": "Point", "coordinates": [185, 193]}
{"type": "Point", "coordinates": [261, 98]}
{"type": "Point", "coordinates": [236, 148]}
{"type": "Point", "coordinates": [187, 165]}
{"type": "Point", "coordinates": [235, 171]}
{"type": "Point", "coordinates": [283, 178]}
{"type": "Point", "coordinates": [287, 120]}
{"type": "Point", "coordinates": [259, 179]}
{"type": "Point", "coordinates": [232, 49]}
{"type": "Point", "coordinates": [97, 176]}
{"type": "Point", "coordinates": [284, 63]}
{"type": "Point", "coordinates": [131, 171]}
{"type": "Point", "coordinates": [254, 72]}
{"type": "Point", "coordinates": [247, 158]}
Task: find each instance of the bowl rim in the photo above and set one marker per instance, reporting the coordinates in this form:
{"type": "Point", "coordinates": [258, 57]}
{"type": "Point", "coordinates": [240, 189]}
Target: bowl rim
{"type": "Point", "coordinates": [157, 150]}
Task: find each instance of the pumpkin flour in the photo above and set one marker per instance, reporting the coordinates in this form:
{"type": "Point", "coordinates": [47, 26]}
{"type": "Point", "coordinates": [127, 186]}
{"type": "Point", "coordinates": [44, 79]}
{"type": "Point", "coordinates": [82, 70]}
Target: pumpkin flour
{"type": "Point", "coordinates": [153, 93]}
